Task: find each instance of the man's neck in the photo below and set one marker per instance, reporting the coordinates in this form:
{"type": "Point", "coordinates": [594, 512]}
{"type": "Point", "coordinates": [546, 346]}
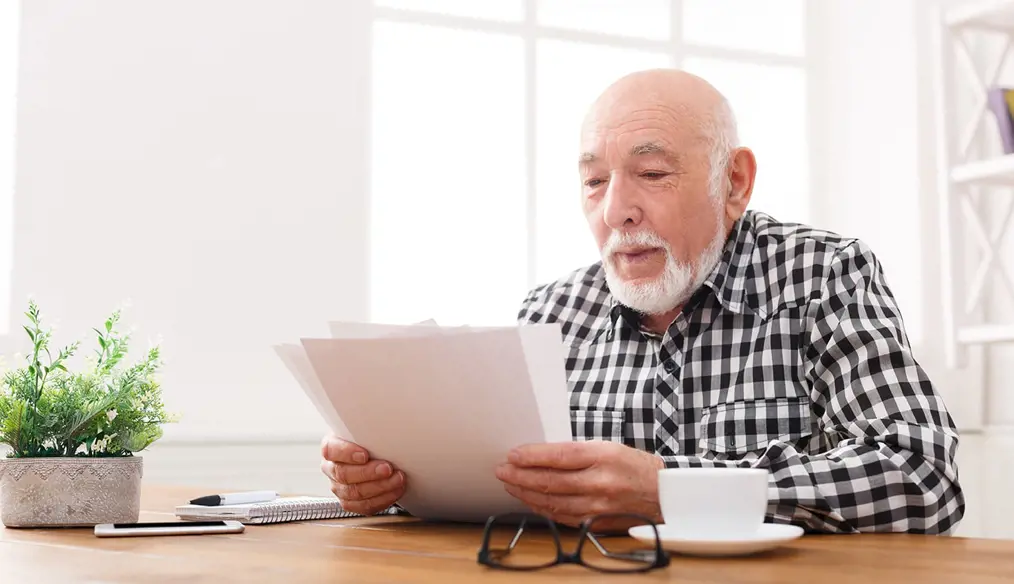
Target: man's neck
{"type": "Point", "coordinates": [659, 323]}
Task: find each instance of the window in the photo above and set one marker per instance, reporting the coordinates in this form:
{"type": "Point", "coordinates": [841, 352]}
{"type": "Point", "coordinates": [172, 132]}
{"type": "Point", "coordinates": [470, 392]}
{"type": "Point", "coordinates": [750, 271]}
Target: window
{"type": "Point", "coordinates": [9, 24]}
{"type": "Point", "coordinates": [475, 114]}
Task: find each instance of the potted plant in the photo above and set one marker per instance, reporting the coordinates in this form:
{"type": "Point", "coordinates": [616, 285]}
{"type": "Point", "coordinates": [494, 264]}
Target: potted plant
{"type": "Point", "coordinates": [74, 436]}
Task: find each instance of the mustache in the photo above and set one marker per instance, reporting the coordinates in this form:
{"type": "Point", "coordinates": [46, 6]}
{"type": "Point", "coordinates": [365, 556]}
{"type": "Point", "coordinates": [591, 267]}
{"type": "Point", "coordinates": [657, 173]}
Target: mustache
{"type": "Point", "coordinates": [644, 238]}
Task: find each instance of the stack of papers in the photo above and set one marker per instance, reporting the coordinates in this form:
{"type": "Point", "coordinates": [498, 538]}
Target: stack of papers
{"type": "Point", "coordinates": [444, 405]}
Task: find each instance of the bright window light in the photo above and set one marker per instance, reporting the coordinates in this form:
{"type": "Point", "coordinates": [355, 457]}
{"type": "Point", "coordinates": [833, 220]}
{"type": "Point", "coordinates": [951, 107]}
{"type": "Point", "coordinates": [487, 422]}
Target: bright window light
{"type": "Point", "coordinates": [448, 210]}
{"type": "Point", "coordinates": [766, 26]}
{"type": "Point", "coordinates": [648, 19]}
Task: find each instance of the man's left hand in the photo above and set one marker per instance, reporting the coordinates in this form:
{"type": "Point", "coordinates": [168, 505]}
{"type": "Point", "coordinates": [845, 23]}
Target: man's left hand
{"type": "Point", "coordinates": [571, 481]}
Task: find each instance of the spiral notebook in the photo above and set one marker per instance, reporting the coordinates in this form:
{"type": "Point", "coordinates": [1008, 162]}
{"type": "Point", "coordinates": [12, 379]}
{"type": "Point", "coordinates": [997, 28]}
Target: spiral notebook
{"type": "Point", "coordinates": [278, 511]}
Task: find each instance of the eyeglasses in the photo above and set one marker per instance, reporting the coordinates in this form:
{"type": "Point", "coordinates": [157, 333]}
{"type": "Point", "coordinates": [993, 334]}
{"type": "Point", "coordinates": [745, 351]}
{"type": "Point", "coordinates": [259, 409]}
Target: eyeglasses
{"type": "Point", "coordinates": [532, 542]}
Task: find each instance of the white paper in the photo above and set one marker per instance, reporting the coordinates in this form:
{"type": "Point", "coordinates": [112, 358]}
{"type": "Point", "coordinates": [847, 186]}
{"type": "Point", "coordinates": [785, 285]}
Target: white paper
{"type": "Point", "coordinates": [447, 408]}
{"type": "Point", "coordinates": [544, 354]}
{"type": "Point", "coordinates": [365, 330]}
{"type": "Point", "coordinates": [299, 366]}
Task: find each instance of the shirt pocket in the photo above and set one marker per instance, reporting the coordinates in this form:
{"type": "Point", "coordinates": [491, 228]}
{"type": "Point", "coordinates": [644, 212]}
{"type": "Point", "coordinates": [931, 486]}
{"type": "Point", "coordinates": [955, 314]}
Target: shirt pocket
{"type": "Point", "coordinates": [744, 429]}
{"type": "Point", "coordinates": [597, 424]}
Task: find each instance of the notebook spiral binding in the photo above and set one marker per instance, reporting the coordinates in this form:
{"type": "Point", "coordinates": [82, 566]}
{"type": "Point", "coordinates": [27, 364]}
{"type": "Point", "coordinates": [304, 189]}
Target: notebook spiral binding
{"type": "Point", "coordinates": [301, 511]}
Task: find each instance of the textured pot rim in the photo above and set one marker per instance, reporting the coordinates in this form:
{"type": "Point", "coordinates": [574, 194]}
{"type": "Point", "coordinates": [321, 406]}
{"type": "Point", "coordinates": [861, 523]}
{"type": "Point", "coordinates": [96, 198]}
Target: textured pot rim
{"type": "Point", "coordinates": [74, 459]}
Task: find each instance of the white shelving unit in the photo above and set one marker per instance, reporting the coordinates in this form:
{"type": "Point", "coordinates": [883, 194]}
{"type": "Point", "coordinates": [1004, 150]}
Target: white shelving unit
{"type": "Point", "coordinates": [967, 166]}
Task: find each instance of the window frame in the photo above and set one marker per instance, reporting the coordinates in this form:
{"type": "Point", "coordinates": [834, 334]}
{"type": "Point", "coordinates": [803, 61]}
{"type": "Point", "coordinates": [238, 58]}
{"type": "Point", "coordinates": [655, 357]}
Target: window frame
{"type": "Point", "coordinates": [677, 49]}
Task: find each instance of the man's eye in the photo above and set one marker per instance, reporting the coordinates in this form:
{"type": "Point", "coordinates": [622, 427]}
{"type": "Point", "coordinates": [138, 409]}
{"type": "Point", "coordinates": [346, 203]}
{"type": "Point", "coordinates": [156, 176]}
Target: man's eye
{"type": "Point", "coordinates": [593, 182]}
{"type": "Point", "coordinates": [654, 175]}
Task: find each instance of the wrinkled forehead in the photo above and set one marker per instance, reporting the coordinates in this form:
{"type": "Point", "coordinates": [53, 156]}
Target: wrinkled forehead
{"type": "Point", "coordinates": [614, 131]}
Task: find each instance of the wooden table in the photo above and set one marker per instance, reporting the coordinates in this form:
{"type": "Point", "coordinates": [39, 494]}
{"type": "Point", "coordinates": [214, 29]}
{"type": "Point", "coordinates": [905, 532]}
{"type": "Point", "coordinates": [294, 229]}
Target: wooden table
{"type": "Point", "coordinates": [398, 549]}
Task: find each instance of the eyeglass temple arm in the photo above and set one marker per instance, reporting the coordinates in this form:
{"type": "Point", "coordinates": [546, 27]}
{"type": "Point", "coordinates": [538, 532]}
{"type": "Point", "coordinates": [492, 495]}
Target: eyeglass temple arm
{"type": "Point", "coordinates": [637, 555]}
{"type": "Point", "coordinates": [517, 536]}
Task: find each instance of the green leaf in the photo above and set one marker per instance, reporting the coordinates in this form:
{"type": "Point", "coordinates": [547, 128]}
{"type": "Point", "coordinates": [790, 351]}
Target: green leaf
{"type": "Point", "coordinates": [48, 410]}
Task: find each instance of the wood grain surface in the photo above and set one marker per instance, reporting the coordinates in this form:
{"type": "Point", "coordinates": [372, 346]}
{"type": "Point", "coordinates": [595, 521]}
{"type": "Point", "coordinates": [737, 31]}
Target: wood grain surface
{"type": "Point", "coordinates": [398, 549]}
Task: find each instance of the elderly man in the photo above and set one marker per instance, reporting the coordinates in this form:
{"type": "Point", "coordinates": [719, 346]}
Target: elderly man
{"type": "Point", "coordinates": [710, 335]}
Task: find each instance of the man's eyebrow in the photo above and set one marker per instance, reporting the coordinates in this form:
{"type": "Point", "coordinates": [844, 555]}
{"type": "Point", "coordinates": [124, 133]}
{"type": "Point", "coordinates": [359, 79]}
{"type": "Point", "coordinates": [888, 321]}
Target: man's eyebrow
{"type": "Point", "coordinates": [642, 149]}
{"type": "Point", "coordinates": [648, 148]}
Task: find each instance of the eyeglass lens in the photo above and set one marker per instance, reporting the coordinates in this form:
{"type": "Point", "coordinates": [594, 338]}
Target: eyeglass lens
{"type": "Point", "coordinates": [606, 549]}
{"type": "Point", "coordinates": [523, 544]}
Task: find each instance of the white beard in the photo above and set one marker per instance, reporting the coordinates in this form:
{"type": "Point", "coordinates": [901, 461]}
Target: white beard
{"type": "Point", "coordinates": [678, 280]}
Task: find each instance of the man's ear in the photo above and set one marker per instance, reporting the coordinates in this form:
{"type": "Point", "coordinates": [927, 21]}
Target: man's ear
{"type": "Point", "coordinates": [742, 172]}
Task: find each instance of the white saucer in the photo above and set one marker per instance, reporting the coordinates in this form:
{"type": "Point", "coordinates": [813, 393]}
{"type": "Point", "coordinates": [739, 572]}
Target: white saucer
{"type": "Point", "coordinates": [768, 536]}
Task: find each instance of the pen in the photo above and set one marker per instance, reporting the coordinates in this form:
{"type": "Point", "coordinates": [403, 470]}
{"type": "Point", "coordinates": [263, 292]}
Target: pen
{"type": "Point", "coordinates": [235, 498]}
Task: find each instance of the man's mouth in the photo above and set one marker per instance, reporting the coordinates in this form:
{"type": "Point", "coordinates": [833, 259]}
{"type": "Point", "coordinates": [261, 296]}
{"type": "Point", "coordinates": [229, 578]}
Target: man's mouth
{"type": "Point", "coordinates": [637, 254]}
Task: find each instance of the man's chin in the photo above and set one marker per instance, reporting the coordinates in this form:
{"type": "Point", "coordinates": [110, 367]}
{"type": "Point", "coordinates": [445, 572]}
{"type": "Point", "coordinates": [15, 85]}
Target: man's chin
{"type": "Point", "coordinates": [640, 279]}
{"type": "Point", "coordinates": [645, 297]}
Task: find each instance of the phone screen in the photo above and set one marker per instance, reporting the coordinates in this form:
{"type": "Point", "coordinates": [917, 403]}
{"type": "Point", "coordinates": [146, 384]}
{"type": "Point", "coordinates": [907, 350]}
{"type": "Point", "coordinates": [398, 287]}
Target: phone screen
{"type": "Point", "coordinates": [170, 524]}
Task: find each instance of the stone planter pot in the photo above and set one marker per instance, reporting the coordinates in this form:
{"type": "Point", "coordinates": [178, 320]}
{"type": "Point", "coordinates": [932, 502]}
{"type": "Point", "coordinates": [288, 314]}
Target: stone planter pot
{"type": "Point", "coordinates": [72, 491]}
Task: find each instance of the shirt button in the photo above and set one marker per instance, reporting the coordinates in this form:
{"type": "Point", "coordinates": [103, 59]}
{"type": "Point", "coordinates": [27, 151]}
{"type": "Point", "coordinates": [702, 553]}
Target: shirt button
{"type": "Point", "coordinates": [609, 335]}
{"type": "Point", "coordinates": [669, 366]}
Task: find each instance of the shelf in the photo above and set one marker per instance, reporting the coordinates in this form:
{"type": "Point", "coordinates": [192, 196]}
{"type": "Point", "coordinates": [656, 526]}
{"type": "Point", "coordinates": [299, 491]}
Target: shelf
{"type": "Point", "coordinates": [988, 14]}
{"type": "Point", "coordinates": [986, 334]}
{"type": "Point", "coordinates": [994, 171]}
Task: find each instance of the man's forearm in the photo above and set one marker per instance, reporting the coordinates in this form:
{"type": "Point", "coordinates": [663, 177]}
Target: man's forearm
{"type": "Point", "coordinates": [853, 488]}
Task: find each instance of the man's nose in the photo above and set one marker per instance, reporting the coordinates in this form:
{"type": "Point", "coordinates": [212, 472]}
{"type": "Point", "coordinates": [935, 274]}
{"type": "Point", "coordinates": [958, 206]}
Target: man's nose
{"type": "Point", "coordinates": [621, 207]}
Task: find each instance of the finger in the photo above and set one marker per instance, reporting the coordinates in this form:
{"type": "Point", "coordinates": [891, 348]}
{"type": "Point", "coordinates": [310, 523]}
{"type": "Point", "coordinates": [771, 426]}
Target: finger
{"type": "Point", "coordinates": [335, 449]}
{"type": "Point", "coordinates": [369, 489]}
{"type": "Point", "coordinates": [561, 455]}
{"type": "Point", "coordinates": [327, 467]}
{"type": "Point", "coordinates": [558, 505]}
{"type": "Point", "coordinates": [376, 504]}
{"type": "Point", "coordinates": [351, 474]}
{"type": "Point", "coordinates": [547, 481]}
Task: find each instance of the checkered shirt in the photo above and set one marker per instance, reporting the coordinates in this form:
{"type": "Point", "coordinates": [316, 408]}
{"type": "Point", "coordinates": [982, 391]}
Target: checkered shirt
{"type": "Point", "coordinates": [791, 357]}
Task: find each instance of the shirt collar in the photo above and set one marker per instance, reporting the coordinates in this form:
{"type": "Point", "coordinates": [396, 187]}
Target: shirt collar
{"type": "Point", "coordinates": [727, 280]}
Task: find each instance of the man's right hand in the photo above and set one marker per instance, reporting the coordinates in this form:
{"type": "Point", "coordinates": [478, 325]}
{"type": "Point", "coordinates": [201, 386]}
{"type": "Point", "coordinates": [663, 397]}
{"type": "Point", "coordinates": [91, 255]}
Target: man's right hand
{"type": "Point", "coordinates": [362, 485]}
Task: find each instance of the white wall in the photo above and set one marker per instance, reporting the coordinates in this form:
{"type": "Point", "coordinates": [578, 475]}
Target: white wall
{"type": "Point", "coordinates": [206, 160]}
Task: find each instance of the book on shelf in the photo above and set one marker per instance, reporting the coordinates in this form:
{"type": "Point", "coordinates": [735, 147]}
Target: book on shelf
{"type": "Point", "coordinates": [1000, 101]}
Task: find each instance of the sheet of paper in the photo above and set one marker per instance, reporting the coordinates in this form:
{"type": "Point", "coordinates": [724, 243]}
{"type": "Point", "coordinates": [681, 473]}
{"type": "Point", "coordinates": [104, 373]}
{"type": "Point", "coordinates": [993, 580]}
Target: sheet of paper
{"type": "Point", "coordinates": [365, 330]}
{"type": "Point", "coordinates": [295, 359]}
{"type": "Point", "coordinates": [446, 409]}
{"type": "Point", "coordinates": [544, 354]}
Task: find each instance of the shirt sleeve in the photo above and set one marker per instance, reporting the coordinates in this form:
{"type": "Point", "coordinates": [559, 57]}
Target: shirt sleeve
{"type": "Point", "coordinates": [891, 467]}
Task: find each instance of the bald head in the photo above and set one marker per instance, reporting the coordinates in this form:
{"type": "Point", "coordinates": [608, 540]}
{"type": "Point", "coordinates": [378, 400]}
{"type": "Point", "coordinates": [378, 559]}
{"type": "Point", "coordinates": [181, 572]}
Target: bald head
{"type": "Point", "coordinates": [698, 112]}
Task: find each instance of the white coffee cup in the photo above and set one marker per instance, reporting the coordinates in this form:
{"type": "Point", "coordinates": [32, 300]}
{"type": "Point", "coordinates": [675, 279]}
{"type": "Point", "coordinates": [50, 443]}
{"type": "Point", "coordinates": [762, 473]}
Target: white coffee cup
{"type": "Point", "coordinates": [713, 503]}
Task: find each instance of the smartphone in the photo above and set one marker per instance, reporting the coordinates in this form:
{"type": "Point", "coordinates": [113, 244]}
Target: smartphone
{"type": "Point", "coordinates": [169, 528]}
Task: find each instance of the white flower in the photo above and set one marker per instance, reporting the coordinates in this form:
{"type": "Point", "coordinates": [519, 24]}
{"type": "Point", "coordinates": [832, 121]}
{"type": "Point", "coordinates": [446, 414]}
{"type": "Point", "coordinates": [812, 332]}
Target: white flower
{"type": "Point", "coordinates": [111, 415]}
